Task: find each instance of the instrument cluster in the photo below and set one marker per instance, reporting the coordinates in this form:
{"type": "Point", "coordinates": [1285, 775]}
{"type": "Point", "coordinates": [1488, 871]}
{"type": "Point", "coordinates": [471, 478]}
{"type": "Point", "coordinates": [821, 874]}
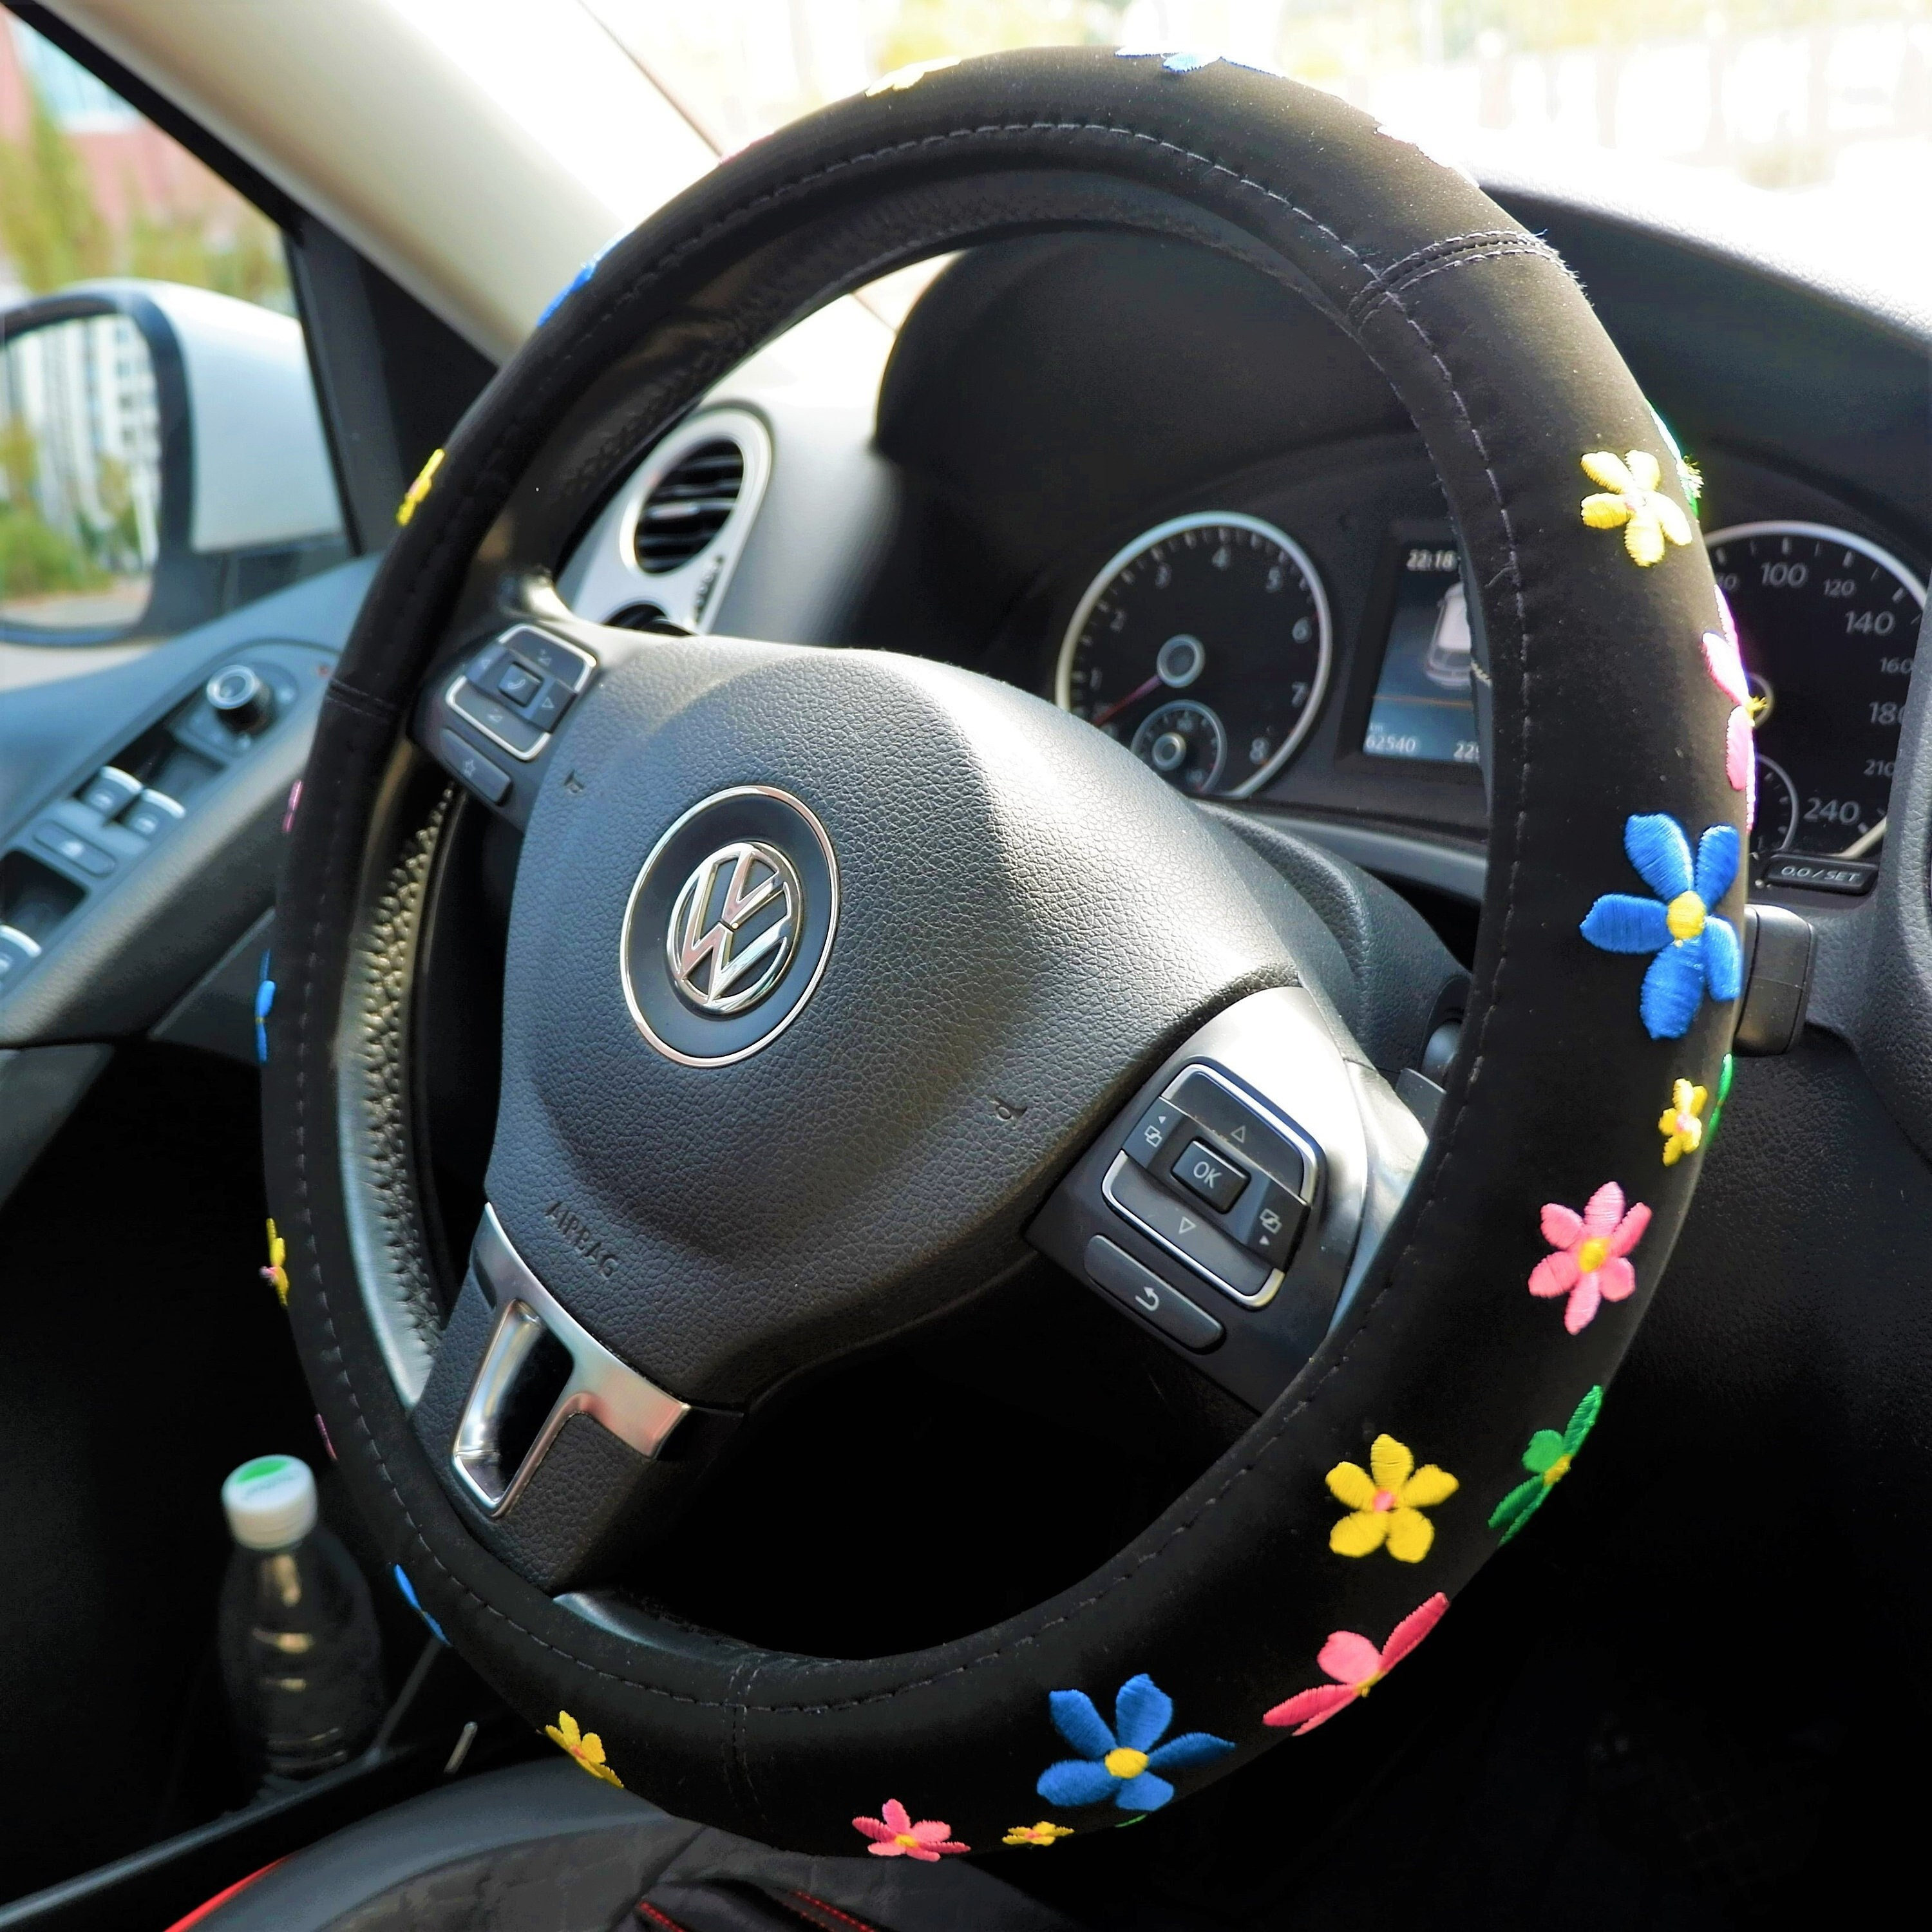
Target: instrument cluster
{"type": "Point", "coordinates": [1206, 645]}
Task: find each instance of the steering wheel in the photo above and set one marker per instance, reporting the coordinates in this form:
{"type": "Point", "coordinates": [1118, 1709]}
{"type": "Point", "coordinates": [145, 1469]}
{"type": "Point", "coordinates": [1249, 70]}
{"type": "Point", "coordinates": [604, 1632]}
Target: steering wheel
{"type": "Point", "coordinates": [836, 978]}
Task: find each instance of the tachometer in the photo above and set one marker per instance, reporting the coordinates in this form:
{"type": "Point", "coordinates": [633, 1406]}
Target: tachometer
{"type": "Point", "coordinates": [1204, 645]}
{"type": "Point", "coordinates": [1828, 623]}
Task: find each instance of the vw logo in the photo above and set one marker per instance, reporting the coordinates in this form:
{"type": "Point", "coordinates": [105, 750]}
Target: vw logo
{"type": "Point", "coordinates": [729, 925]}
{"type": "Point", "coordinates": [734, 927]}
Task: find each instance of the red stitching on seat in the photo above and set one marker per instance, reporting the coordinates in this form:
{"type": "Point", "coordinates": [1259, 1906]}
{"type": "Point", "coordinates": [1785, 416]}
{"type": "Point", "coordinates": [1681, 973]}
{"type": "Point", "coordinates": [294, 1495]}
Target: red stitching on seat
{"type": "Point", "coordinates": [845, 1918]}
{"type": "Point", "coordinates": [645, 1909]}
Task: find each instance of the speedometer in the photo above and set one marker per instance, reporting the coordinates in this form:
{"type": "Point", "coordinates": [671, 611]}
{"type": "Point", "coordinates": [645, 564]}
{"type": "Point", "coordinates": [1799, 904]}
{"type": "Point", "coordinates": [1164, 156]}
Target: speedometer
{"type": "Point", "coordinates": [1203, 646]}
{"type": "Point", "coordinates": [1827, 624]}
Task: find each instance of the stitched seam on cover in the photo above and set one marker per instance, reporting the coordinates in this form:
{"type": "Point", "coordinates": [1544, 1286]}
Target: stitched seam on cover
{"type": "Point", "coordinates": [1446, 244]}
{"type": "Point", "coordinates": [1427, 1208]}
{"type": "Point", "coordinates": [1365, 304]}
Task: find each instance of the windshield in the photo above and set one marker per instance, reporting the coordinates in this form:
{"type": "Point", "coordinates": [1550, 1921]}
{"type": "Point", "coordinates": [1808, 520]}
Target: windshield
{"type": "Point", "coordinates": [1798, 125]}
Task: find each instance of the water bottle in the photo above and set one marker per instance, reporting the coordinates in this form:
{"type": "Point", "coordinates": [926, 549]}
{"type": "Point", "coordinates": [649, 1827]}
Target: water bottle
{"type": "Point", "coordinates": [301, 1659]}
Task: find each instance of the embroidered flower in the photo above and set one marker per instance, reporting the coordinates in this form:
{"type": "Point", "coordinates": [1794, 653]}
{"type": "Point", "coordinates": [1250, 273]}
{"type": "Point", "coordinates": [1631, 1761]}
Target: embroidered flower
{"type": "Point", "coordinates": [1718, 1106]}
{"type": "Point", "coordinates": [895, 1836]}
{"type": "Point", "coordinates": [1681, 1123]}
{"type": "Point", "coordinates": [1385, 1503]}
{"type": "Point", "coordinates": [1191, 60]}
{"type": "Point", "coordinates": [1121, 1763]}
{"type": "Point", "coordinates": [1696, 951]}
{"type": "Point", "coordinates": [1357, 1666]}
{"type": "Point", "coordinates": [586, 1747]}
{"type": "Point", "coordinates": [1689, 478]}
{"type": "Point", "coordinates": [1588, 1265]}
{"type": "Point", "coordinates": [413, 496]}
{"type": "Point", "coordinates": [1726, 667]}
{"type": "Point", "coordinates": [901, 78]}
{"type": "Point", "coordinates": [1044, 1833]}
{"type": "Point", "coordinates": [264, 1004]}
{"type": "Point", "coordinates": [1547, 1459]}
{"type": "Point", "coordinates": [435, 1630]}
{"type": "Point", "coordinates": [1634, 503]}
{"type": "Point", "coordinates": [276, 1274]}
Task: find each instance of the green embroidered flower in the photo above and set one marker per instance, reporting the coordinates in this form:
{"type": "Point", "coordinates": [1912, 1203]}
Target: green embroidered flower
{"type": "Point", "coordinates": [1547, 1459]}
{"type": "Point", "coordinates": [1718, 1106]}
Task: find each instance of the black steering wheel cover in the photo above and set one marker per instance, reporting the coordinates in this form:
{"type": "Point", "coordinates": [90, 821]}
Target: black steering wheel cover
{"type": "Point", "coordinates": [1603, 709]}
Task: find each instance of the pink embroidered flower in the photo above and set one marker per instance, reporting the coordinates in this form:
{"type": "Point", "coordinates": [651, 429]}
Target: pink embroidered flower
{"type": "Point", "coordinates": [1357, 1666]}
{"type": "Point", "coordinates": [1588, 1265]}
{"type": "Point", "coordinates": [1727, 671]}
{"type": "Point", "coordinates": [895, 1836]}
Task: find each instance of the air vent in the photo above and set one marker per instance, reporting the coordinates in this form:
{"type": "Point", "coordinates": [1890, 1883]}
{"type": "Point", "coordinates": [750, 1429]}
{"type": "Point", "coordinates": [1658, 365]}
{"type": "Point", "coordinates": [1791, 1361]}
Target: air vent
{"type": "Point", "coordinates": [689, 507]}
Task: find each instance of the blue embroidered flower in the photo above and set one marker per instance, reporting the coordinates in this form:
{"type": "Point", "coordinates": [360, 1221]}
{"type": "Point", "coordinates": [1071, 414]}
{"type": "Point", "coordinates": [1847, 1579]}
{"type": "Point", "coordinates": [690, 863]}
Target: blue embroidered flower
{"type": "Point", "coordinates": [408, 1591]}
{"type": "Point", "coordinates": [1121, 1763]}
{"type": "Point", "coordinates": [265, 1002]}
{"type": "Point", "coordinates": [1697, 952]}
{"type": "Point", "coordinates": [1189, 60]}
{"type": "Point", "coordinates": [577, 281]}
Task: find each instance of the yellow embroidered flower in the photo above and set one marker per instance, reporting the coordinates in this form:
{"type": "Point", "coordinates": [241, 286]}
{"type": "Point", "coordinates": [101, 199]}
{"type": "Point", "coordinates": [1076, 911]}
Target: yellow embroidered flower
{"type": "Point", "coordinates": [275, 1274]}
{"type": "Point", "coordinates": [1044, 1833]}
{"type": "Point", "coordinates": [901, 78]}
{"type": "Point", "coordinates": [413, 496]}
{"type": "Point", "coordinates": [586, 1747]}
{"type": "Point", "coordinates": [1634, 503]}
{"type": "Point", "coordinates": [1682, 1124]}
{"type": "Point", "coordinates": [1386, 1501]}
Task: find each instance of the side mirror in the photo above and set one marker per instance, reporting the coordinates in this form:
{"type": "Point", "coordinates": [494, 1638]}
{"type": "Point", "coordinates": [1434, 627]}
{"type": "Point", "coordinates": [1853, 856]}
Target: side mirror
{"type": "Point", "coordinates": [162, 460]}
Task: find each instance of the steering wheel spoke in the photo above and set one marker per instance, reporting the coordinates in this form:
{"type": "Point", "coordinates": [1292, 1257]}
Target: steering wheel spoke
{"type": "Point", "coordinates": [520, 1381]}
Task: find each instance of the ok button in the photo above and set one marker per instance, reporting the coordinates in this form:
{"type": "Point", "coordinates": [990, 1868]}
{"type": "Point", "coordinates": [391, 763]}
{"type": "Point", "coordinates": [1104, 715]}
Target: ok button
{"type": "Point", "coordinates": [1202, 1172]}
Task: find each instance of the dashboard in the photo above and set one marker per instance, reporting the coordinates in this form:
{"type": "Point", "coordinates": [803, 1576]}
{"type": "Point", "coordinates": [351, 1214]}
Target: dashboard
{"type": "Point", "coordinates": [1136, 479]}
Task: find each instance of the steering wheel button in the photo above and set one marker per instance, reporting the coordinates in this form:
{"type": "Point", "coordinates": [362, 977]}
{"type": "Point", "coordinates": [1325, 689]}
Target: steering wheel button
{"type": "Point", "coordinates": [1114, 1269]}
{"type": "Point", "coordinates": [1184, 1226]}
{"type": "Point", "coordinates": [1154, 1131]}
{"type": "Point", "coordinates": [1268, 1222]}
{"type": "Point", "coordinates": [549, 704]}
{"type": "Point", "coordinates": [518, 682]}
{"type": "Point", "coordinates": [570, 666]}
{"type": "Point", "coordinates": [1234, 1120]}
{"type": "Point", "coordinates": [1201, 1171]}
{"type": "Point", "coordinates": [489, 782]}
{"type": "Point", "coordinates": [517, 735]}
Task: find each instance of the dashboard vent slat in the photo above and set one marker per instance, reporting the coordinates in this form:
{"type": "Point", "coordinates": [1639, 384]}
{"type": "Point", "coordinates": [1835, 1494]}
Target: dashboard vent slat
{"type": "Point", "coordinates": [689, 506]}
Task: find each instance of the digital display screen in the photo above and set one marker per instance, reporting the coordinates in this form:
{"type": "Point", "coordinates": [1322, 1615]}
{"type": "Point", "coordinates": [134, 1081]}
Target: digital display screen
{"type": "Point", "coordinates": [1423, 709]}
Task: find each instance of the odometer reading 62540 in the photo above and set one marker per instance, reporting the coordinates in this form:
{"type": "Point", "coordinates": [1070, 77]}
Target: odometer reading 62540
{"type": "Point", "coordinates": [1828, 623]}
{"type": "Point", "coordinates": [1203, 646]}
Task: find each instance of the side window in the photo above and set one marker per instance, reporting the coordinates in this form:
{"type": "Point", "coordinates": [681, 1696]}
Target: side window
{"type": "Point", "coordinates": [162, 459]}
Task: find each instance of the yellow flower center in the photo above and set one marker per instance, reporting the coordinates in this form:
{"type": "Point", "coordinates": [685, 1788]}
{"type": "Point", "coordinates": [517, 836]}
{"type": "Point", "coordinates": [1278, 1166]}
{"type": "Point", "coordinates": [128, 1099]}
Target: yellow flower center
{"type": "Point", "coordinates": [906, 1839]}
{"type": "Point", "coordinates": [1592, 1254]}
{"type": "Point", "coordinates": [1685, 916]}
{"type": "Point", "coordinates": [1368, 1683]}
{"type": "Point", "coordinates": [1123, 1763]}
{"type": "Point", "coordinates": [1557, 1470]}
